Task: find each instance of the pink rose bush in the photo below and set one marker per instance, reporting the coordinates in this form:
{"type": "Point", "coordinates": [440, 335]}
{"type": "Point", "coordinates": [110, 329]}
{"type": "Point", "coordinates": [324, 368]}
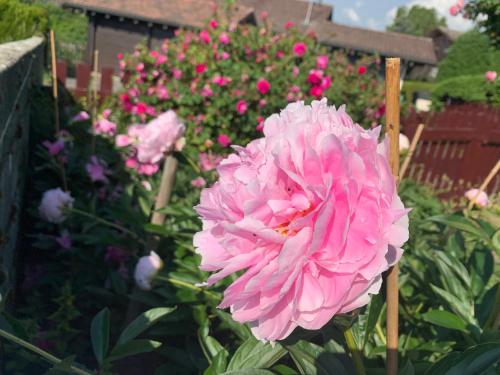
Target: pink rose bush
{"type": "Point", "coordinates": [309, 213]}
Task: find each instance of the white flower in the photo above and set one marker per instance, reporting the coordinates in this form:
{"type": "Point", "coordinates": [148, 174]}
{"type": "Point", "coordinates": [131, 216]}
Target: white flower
{"type": "Point", "coordinates": [52, 204]}
{"type": "Point", "coordinates": [146, 269]}
{"type": "Point", "coordinates": [404, 143]}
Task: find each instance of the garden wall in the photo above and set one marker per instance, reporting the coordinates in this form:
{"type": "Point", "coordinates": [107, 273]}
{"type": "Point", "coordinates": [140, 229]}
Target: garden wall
{"type": "Point", "coordinates": [21, 67]}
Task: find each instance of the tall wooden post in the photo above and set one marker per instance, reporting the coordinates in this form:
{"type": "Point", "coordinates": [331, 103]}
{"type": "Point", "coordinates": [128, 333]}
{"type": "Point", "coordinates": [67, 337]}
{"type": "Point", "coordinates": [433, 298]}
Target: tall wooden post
{"type": "Point", "coordinates": [392, 89]}
{"type": "Point", "coordinates": [54, 79]}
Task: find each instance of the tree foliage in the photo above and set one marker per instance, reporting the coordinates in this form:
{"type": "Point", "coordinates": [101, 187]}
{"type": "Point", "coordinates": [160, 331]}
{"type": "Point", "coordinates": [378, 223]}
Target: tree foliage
{"type": "Point", "coordinates": [487, 14]}
{"type": "Point", "coordinates": [21, 21]}
{"type": "Point", "coordinates": [417, 20]}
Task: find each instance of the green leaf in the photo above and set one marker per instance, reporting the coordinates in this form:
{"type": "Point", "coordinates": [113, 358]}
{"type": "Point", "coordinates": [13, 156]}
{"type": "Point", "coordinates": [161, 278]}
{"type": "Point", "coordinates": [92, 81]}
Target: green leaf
{"type": "Point", "coordinates": [481, 264]}
{"type": "Point", "coordinates": [407, 368]}
{"type": "Point", "coordinates": [249, 371]}
{"type": "Point", "coordinates": [465, 311]}
{"type": "Point", "coordinates": [445, 319]}
{"type": "Point", "coordinates": [473, 361]}
{"type": "Point", "coordinates": [495, 240]}
{"type": "Point", "coordinates": [218, 365]}
{"type": "Point", "coordinates": [241, 330]}
{"type": "Point", "coordinates": [311, 359]}
{"type": "Point", "coordinates": [374, 310]}
{"type": "Point", "coordinates": [132, 348]}
{"type": "Point", "coordinates": [463, 224]}
{"type": "Point", "coordinates": [142, 323]}
{"type": "Point", "coordinates": [99, 334]}
{"type": "Point", "coordinates": [255, 354]}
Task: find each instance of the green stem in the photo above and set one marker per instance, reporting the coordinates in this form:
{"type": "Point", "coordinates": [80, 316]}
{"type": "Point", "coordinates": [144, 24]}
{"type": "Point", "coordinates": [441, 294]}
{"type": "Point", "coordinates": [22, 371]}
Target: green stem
{"type": "Point", "coordinates": [105, 222]}
{"type": "Point", "coordinates": [355, 352]}
{"type": "Point", "coordinates": [380, 333]}
{"type": "Point", "coordinates": [192, 164]}
{"type": "Point", "coordinates": [49, 357]}
{"type": "Point", "coordinates": [189, 286]}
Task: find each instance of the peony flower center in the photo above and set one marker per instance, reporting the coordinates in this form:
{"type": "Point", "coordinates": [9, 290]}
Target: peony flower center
{"type": "Point", "coordinates": [299, 207]}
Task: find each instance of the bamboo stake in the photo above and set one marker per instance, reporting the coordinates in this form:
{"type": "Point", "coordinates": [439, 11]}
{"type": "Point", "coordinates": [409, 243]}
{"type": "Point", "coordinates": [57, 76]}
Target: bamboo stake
{"type": "Point", "coordinates": [93, 97]}
{"type": "Point", "coordinates": [485, 183]}
{"type": "Point", "coordinates": [392, 88]}
{"type": "Point", "coordinates": [54, 79]}
{"type": "Point", "coordinates": [411, 151]}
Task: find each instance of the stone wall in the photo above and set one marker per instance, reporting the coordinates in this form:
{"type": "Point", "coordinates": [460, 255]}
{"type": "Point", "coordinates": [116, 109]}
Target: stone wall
{"type": "Point", "coordinates": [21, 67]}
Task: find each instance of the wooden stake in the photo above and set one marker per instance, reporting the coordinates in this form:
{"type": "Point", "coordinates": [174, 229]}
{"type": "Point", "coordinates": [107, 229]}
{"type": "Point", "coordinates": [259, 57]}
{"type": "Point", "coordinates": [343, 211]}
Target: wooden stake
{"type": "Point", "coordinates": [411, 151]}
{"type": "Point", "coordinates": [485, 183]}
{"type": "Point", "coordinates": [392, 79]}
{"type": "Point", "coordinates": [54, 79]}
{"type": "Point", "coordinates": [92, 97]}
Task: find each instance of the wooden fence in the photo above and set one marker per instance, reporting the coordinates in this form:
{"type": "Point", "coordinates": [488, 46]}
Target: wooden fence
{"type": "Point", "coordinates": [458, 147]}
{"type": "Point", "coordinates": [84, 78]}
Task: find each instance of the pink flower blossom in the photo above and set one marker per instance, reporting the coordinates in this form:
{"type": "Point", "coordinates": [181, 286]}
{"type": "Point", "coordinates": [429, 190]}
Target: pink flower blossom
{"type": "Point", "coordinates": [224, 55]}
{"type": "Point", "coordinates": [264, 14]}
{"type": "Point", "coordinates": [54, 148]}
{"type": "Point", "coordinates": [306, 219]}
{"type": "Point", "coordinates": [209, 161]}
{"type": "Point", "coordinates": [53, 203]}
{"type": "Point", "coordinates": [96, 170]}
{"type": "Point", "coordinates": [454, 10]}
{"type": "Point", "coordinates": [104, 126]}
{"type": "Point", "coordinates": [315, 76]}
{"type": "Point", "coordinates": [289, 25]}
{"type": "Point", "coordinates": [80, 116]}
{"type": "Point", "coordinates": [131, 163]}
{"type": "Point", "coordinates": [224, 39]}
{"type": "Point", "coordinates": [263, 86]}
{"type": "Point", "coordinates": [322, 61]}
{"type": "Point", "coordinates": [208, 143]}
{"type": "Point", "coordinates": [200, 68]}
{"type": "Point", "coordinates": [148, 169]}
{"type": "Point", "coordinates": [157, 137]}
{"type": "Point", "coordinates": [205, 36]}
{"type": "Point", "coordinates": [241, 107]}
{"type": "Point", "coordinates": [176, 73]}
{"type": "Point", "coordinates": [122, 140]}
{"type": "Point", "coordinates": [299, 49]}
{"type": "Point", "coordinates": [481, 198]}
{"type": "Point", "coordinates": [160, 59]}
{"type": "Point", "coordinates": [213, 24]}
{"type": "Point", "coordinates": [316, 91]}
{"type": "Point", "coordinates": [146, 269]}
{"type": "Point", "coordinates": [221, 80]}
{"type": "Point", "coordinates": [139, 67]}
{"type": "Point", "coordinates": [224, 140]}
{"type": "Point", "coordinates": [206, 91]}
{"type": "Point", "coordinates": [490, 76]}
{"type": "Point", "coordinates": [64, 240]}
{"type": "Point", "coordinates": [198, 182]}
{"type": "Point", "coordinates": [295, 71]}
{"type": "Point", "coordinates": [362, 70]}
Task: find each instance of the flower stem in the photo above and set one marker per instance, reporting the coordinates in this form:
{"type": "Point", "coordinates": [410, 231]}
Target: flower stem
{"type": "Point", "coordinates": [355, 352]}
{"type": "Point", "coordinates": [189, 286]}
{"type": "Point", "coordinates": [105, 222]}
{"type": "Point", "coordinates": [49, 357]}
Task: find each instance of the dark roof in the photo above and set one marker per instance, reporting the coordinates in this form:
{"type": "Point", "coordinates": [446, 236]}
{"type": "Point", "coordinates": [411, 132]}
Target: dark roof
{"type": "Point", "coordinates": [191, 13]}
{"type": "Point", "coordinates": [408, 47]}
{"type": "Point", "coordinates": [452, 35]}
{"type": "Point", "coordinates": [282, 11]}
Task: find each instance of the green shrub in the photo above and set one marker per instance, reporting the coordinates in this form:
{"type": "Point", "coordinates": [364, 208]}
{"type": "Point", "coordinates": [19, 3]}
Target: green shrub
{"type": "Point", "coordinates": [471, 54]}
{"type": "Point", "coordinates": [21, 21]}
{"type": "Point", "coordinates": [469, 88]}
{"type": "Point", "coordinates": [411, 87]}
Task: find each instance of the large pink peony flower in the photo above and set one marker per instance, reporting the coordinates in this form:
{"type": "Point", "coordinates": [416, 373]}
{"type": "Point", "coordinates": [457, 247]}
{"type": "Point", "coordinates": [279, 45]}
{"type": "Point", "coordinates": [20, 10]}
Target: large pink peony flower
{"type": "Point", "coordinates": [310, 213]}
{"type": "Point", "coordinates": [157, 137]}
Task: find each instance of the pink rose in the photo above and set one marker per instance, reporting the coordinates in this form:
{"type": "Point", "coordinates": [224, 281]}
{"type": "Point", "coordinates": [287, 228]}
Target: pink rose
{"type": "Point", "coordinates": [299, 49]}
{"type": "Point", "coordinates": [241, 107]}
{"type": "Point", "coordinates": [209, 161]}
{"type": "Point", "coordinates": [198, 182]}
{"type": "Point", "coordinates": [316, 91]}
{"type": "Point", "coordinates": [490, 76]}
{"type": "Point", "coordinates": [295, 71]}
{"type": "Point", "coordinates": [454, 10]}
{"type": "Point", "coordinates": [263, 86]}
{"type": "Point", "coordinates": [205, 36]}
{"type": "Point", "coordinates": [306, 219]}
{"type": "Point", "coordinates": [213, 24]}
{"type": "Point", "coordinates": [224, 39]}
{"type": "Point", "coordinates": [200, 68]}
{"type": "Point", "coordinates": [123, 140]}
{"type": "Point", "coordinates": [81, 116]}
{"type": "Point", "coordinates": [315, 77]}
{"type": "Point", "coordinates": [223, 140]}
{"type": "Point", "coordinates": [224, 55]}
{"type": "Point", "coordinates": [176, 73]}
{"type": "Point", "coordinates": [105, 127]}
{"type": "Point", "coordinates": [362, 70]}
{"type": "Point", "coordinates": [289, 25]}
{"type": "Point", "coordinates": [322, 62]}
{"type": "Point", "coordinates": [481, 198]}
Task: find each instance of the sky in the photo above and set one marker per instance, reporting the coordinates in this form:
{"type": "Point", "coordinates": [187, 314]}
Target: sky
{"type": "Point", "coordinates": [377, 14]}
